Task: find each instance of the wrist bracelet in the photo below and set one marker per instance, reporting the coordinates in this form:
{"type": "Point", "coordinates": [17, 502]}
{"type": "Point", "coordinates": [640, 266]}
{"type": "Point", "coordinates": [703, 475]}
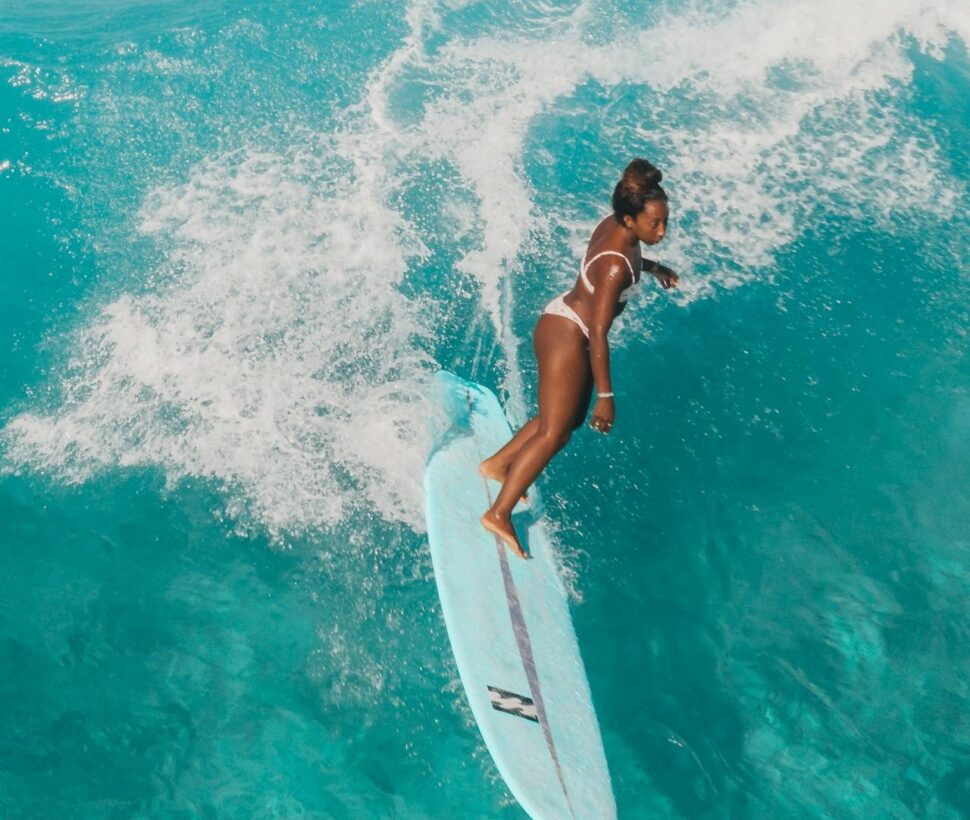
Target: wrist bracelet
{"type": "Point", "coordinates": [604, 395]}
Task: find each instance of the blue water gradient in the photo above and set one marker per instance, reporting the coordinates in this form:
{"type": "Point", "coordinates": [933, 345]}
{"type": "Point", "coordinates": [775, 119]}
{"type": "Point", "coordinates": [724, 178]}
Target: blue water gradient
{"type": "Point", "coordinates": [237, 239]}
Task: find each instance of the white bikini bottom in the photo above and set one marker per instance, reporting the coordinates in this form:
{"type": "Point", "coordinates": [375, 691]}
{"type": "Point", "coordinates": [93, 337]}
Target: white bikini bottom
{"type": "Point", "coordinates": [558, 307]}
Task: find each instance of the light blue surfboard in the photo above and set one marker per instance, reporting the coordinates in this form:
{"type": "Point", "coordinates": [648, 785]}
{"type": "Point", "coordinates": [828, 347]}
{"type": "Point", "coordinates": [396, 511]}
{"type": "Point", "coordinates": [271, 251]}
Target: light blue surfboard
{"type": "Point", "coordinates": [508, 621]}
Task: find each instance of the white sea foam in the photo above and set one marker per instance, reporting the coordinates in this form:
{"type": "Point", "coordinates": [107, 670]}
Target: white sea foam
{"type": "Point", "coordinates": [277, 358]}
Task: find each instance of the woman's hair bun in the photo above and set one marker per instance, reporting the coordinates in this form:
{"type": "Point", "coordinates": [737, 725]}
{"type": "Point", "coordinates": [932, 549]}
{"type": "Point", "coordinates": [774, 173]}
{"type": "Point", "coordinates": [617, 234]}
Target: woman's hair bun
{"type": "Point", "coordinates": [640, 184]}
{"type": "Point", "coordinates": [643, 173]}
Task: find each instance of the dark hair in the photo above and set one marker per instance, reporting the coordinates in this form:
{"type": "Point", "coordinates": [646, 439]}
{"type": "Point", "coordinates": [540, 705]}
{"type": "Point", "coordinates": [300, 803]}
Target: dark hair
{"type": "Point", "coordinates": [640, 185]}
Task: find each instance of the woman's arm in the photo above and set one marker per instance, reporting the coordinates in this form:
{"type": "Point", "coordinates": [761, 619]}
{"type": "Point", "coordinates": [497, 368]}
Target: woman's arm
{"type": "Point", "coordinates": [610, 283]}
{"type": "Point", "coordinates": [667, 278]}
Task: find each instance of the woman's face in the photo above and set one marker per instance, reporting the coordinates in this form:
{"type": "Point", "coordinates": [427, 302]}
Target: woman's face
{"type": "Point", "coordinates": [650, 224]}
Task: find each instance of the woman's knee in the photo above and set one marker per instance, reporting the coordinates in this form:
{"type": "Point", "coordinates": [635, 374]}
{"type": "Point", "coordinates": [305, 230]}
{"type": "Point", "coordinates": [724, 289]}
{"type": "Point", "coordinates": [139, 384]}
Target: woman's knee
{"type": "Point", "coordinates": [555, 436]}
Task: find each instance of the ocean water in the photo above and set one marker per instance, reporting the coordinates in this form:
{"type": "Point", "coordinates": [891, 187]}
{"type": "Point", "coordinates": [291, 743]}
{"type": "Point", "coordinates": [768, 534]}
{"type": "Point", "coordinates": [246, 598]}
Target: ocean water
{"type": "Point", "coordinates": [238, 237]}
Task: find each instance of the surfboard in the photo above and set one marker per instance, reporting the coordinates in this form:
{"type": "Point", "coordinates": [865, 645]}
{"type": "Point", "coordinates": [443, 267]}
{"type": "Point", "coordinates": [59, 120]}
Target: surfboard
{"type": "Point", "coordinates": [508, 622]}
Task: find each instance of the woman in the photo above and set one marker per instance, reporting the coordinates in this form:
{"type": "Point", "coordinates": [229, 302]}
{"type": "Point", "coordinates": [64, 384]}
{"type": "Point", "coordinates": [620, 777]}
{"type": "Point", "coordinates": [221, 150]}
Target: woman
{"type": "Point", "coordinates": [570, 341]}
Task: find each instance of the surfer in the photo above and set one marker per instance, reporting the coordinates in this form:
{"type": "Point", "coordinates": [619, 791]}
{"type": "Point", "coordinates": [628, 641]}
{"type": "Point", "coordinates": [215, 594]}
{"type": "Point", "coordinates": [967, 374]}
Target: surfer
{"type": "Point", "coordinates": [570, 341]}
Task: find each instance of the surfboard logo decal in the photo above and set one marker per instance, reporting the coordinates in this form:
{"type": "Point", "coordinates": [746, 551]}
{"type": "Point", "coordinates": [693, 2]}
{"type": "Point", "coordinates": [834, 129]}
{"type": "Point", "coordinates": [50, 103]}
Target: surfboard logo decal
{"type": "Point", "coordinates": [512, 703]}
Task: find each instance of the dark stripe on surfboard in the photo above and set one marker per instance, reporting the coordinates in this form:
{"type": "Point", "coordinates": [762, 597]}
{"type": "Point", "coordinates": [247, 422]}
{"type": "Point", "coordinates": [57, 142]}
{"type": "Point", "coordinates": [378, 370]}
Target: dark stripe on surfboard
{"type": "Point", "coordinates": [522, 638]}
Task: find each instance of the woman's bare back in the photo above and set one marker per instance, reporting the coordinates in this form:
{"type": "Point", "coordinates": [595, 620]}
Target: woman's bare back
{"type": "Point", "coordinates": [605, 237]}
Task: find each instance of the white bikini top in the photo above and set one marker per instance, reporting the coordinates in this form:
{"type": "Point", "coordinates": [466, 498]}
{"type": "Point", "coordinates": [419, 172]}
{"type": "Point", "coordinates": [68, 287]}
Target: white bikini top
{"type": "Point", "coordinates": [627, 292]}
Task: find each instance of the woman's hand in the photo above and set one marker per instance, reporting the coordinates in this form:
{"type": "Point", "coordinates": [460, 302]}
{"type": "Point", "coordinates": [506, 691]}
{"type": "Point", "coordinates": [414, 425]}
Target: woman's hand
{"type": "Point", "coordinates": [666, 277]}
{"type": "Point", "coordinates": [603, 414]}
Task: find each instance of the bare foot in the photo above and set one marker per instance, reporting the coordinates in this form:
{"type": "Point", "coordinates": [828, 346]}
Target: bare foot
{"type": "Point", "coordinates": [489, 470]}
{"type": "Point", "coordinates": [503, 529]}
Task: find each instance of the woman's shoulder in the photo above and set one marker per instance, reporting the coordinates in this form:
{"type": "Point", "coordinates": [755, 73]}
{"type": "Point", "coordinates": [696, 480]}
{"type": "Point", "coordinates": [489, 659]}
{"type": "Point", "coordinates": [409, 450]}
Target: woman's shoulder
{"type": "Point", "coordinates": [604, 228]}
{"type": "Point", "coordinates": [605, 244]}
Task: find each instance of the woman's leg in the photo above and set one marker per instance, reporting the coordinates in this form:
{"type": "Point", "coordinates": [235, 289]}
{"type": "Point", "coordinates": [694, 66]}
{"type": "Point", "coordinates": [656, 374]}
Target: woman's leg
{"type": "Point", "coordinates": [564, 391]}
{"type": "Point", "coordinates": [497, 465]}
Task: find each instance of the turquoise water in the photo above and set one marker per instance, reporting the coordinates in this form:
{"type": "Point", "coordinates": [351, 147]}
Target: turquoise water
{"type": "Point", "coordinates": [237, 239]}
